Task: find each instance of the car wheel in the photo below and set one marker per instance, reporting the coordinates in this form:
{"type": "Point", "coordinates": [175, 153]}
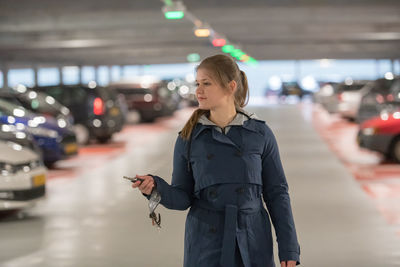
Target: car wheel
{"type": "Point", "coordinates": [104, 139]}
{"type": "Point", "coordinates": [148, 119]}
{"type": "Point", "coordinates": [82, 134]}
{"type": "Point", "coordinates": [49, 164]}
{"type": "Point", "coordinates": [395, 149]}
{"type": "Point", "coordinates": [133, 117]}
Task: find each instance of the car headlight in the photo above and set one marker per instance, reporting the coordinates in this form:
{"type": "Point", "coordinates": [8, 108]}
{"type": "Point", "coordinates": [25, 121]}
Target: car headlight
{"type": "Point", "coordinates": [62, 123]}
{"type": "Point", "coordinates": [369, 131]}
{"type": "Point", "coordinates": [7, 168]}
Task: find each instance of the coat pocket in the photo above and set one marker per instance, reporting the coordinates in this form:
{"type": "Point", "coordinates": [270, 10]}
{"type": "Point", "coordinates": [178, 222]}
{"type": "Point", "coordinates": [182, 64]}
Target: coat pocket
{"type": "Point", "coordinates": [203, 238]}
{"type": "Point", "coordinates": [260, 239]}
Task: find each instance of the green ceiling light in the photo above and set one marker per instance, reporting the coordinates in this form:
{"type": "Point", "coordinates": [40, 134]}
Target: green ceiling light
{"type": "Point", "coordinates": [174, 10]}
{"type": "Point", "coordinates": [237, 53]}
{"type": "Point", "coordinates": [227, 48]}
{"type": "Point", "coordinates": [194, 57]}
{"type": "Point", "coordinates": [174, 14]}
{"type": "Point", "coordinates": [252, 61]}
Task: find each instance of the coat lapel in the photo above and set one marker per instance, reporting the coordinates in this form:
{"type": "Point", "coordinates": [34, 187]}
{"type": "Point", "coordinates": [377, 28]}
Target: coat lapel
{"type": "Point", "coordinates": [220, 137]}
{"type": "Point", "coordinates": [216, 135]}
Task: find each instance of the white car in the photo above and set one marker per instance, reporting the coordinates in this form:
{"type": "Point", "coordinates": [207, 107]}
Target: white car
{"type": "Point", "coordinates": [349, 96]}
{"type": "Point", "coordinates": [22, 176]}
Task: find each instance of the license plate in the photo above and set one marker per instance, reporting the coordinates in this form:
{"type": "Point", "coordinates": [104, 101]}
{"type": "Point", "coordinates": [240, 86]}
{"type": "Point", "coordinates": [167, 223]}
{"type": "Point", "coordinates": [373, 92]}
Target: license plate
{"type": "Point", "coordinates": [71, 148]}
{"type": "Point", "coordinates": [114, 112]}
{"type": "Point", "coordinates": [39, 180]}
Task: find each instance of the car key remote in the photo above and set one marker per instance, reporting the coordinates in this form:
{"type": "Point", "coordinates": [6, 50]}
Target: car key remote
{"type": "Point", "coordinates": [134, 179]}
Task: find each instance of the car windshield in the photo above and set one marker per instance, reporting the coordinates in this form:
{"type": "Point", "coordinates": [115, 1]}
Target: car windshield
{"type": "Point", "coordinates": [41, 102]}
{"type": "Point", "coordinates": [13, 109]}
{"type": "Point", "coordinates": [134, 91]}
{"type": "Point", "coordinates": [106, 93]}
{"type": "Point", "coordinates": [382, 86]}
{"type": "Point", "coordinates": [352, 87]}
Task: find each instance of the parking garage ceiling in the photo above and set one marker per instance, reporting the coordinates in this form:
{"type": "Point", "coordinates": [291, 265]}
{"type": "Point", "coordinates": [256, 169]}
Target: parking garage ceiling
{"type": "Point", "coordinates": [103, 32]}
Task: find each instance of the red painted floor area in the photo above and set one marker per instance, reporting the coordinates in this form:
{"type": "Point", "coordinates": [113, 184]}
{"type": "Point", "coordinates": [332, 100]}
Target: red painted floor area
{"type": "Point", "coordinates": [379, 179]}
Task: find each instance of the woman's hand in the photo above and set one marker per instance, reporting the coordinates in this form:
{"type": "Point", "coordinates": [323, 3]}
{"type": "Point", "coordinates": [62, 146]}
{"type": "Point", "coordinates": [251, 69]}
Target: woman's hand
{"type": "Point", "coordinates": [288, 263]}
{"type": "Point", "coordinates": [146, 186]}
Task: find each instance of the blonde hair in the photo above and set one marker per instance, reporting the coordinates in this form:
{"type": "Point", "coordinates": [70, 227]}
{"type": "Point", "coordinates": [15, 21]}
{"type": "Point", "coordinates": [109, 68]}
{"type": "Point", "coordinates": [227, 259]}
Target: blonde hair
{"type": "Point", "coordinates": [224, 70]}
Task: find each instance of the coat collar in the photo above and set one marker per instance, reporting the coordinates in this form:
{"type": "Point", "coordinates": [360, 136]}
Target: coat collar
{"type": "Point", "coordinates": [240, 119]}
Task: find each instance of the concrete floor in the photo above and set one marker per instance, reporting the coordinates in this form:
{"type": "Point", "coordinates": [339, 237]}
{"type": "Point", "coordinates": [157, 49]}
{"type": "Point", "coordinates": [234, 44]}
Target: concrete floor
{"type": "Point", "coordinates": [92, 217]}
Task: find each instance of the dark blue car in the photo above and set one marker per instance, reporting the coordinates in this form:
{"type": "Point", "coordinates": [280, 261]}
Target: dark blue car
{"type": "Point", "coordinates": [55, 142]}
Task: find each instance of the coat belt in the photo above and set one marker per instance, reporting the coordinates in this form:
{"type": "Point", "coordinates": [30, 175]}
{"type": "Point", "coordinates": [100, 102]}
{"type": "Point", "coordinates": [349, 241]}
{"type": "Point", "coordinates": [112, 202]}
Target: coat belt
{"type": "Point", "coordinates": [231, 213]}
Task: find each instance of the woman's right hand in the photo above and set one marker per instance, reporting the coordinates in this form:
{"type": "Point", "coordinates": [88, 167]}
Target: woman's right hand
{"type": "Point", "coordinates": [146, 186]}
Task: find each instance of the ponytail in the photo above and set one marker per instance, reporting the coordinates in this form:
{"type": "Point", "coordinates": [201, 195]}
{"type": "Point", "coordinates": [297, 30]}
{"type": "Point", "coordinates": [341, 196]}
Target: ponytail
{"type": "Point", "coordinates": [243, 95]}
{"type": "Point", "coordinates": [189, 126]}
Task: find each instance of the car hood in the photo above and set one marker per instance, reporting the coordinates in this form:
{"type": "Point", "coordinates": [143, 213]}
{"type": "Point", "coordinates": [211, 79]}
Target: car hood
{"type": "Point", "coordinates": [390, 125]}
{"type": "Point", "coordinates": [14, 153]}
{"type": "Point", "coordinates": [50, 123]}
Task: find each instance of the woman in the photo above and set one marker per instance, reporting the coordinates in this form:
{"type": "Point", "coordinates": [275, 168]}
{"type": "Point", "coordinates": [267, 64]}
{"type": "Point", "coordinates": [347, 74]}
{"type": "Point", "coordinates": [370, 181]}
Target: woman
{"type": "Point", "coordinates": [225, 162]}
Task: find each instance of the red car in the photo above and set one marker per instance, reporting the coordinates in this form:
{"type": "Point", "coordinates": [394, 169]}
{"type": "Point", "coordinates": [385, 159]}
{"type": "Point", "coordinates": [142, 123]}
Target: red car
{"type": "Point", "coordinates": [382, 134]}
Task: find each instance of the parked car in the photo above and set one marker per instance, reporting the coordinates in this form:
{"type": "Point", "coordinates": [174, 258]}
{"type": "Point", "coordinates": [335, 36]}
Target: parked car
{"type": "Point", "coordinates": [55, 142]}
{"type": "Point", "coordinates": [349, 97]}
{"type": "Point", "coordinates": [395, 89]}
{"type": "Point", "coordinates": [292, 88]}
{"type": "Point", "coordinates": [327, 96]}
{"type": "Point", "coordinates": [377, 93]}
{"type": "Point", "coordinates": [97, 111]}
{"type": "Point", "coordinates": [22, 177]}
{"type": "Point", "coordinates": [171, 89]}
{"type": "Point", "coordinates": [149, 98]}
{"type": "Point", "coordinates": [382, 133]}
{"type": "Point", "coordinates": [41, 103]}
{"type": "Point", "coordinates": [9, 132]}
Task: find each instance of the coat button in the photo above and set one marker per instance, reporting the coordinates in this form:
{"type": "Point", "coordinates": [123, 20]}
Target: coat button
{"type": "Point", "coordinates": [212, 193]}
{"type": "Point", "coordinates": [238, 153]}
{"type": "Point", "coordinates": [213, 229]}
{"type": "Point", "coordinates": [240, 190]}
{"type": "Point", "coordinates": [210, 156]}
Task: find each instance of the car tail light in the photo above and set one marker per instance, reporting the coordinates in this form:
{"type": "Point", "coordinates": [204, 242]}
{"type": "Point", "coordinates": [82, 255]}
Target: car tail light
{"type": "Point", "coordinates": [370, 131]}
{"type": "Point", "coordinates": [98, 106]}
{"type": "Point", "coordinates": [380, 99]}
{"type": "Point", "coordinates": [390, 97]}
{"type": "Point", "coordinates": [340, 97]}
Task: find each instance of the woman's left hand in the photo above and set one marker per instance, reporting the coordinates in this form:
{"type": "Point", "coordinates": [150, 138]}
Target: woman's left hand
{"type": "Point", "coordinates": [146, 186]}
{"type": "Point", "coordinates": [288, 263]}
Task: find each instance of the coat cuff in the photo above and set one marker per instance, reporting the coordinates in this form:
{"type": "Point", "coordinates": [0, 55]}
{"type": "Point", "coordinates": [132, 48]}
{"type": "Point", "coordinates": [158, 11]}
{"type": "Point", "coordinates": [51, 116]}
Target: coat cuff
{"type": "Point", "coordinates": [159, 185]}
{"type": "Point", "coordinates": [290, 256]}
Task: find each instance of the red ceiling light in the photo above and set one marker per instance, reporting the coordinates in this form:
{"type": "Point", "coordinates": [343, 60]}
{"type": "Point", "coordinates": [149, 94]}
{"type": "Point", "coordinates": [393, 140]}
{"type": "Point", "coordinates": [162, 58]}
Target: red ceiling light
{"type": "Point", "coordinates": [219, 42]}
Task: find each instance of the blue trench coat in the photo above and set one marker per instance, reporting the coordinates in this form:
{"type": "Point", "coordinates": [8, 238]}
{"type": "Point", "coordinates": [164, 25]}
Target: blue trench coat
{"type": "Point", "coordinates": [230, 174]}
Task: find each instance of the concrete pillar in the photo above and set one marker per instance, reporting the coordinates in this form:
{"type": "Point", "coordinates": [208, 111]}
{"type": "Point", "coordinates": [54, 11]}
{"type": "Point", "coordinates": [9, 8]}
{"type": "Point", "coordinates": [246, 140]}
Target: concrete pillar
{"type": "Point", "coordinates": [398, 67]}
{"type": "Point", "coordinates": [4, 71]}
{"type": "Point", "coordinates": [60, 75]}
{"type": "Point", "coordinates": [297, 70]}
{"type": "Point", "coordinates": [120, 74]}
{"type": "Point", "coordinates": [109, 75]}
{"type": "Point", "coordinates": [123, 73]}
{"type": "Point", "coordinates": [377, 69]}
{"type": "Point", "coordinates": [392, 70]}
{"type": "Point", "coordinates": [80, 74]}
{"type": "Point", "coordinates": [35, 75]}
{"type": "Point", "coordinates": [96, 74]}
